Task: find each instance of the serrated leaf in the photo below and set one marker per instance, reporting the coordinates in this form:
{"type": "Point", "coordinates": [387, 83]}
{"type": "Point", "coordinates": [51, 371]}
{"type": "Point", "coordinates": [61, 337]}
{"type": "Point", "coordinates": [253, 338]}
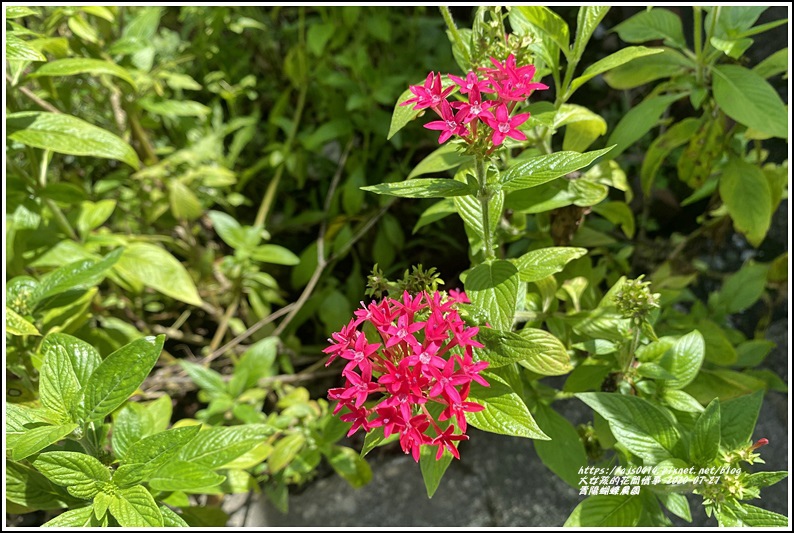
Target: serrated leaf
{"type": "Point", "coordinates": [616, 59]}
{"type": "Point", "coordinates": [81, 474]}
{"type": "Point", "coordinates": [18, 325]}
{"type": "Point", "coordinates": [564, 454]}
{"type": "Point", "coordinates": [66, 134]}
{"type": "Point", "coordinates": [535, 349]}
{"type": "Point", "coordinates": [36, 439]}
{"type": "Point", "coordinates": [215, 447]}
{"type": "Point", "coordinates": [749, 99]}
{"type": "Point", "coordinates": [538, 264]}
{"type": "Point", "coordinates": [59, 388]}
{"type": "Point", "coordinates": [152, 266]}
{"type": "Point", "coordinates": [651, 25]}
{"type": "Point", "coordinates": [705, 441]}
{"type": "Point", "coordinates": [401, 115]}
{"type": "Point", "coordinates": [350, 466]}
{"type": "Point", "coordinates": [74, 276]}
{"type": "Point", "coordinates": [544, 168]}
{"type": "Point", "coordinates": [119, 375]}
{"type": "Point", "coordinates": [606, 511]}
{"type": "Point", "coordinates": [150, 453]}
{"type": "Point", "coordinates": [421, 188]}
{"type": "Point", "coordinates": [170, 518]}
{"type": "Point", "coordinates": [81, 517]}
{"type": "Point", "coordinates": [644, 429]}
{"type": "Point", "coordinates": [184, 476]}
{"type": "Point", "coordinates": [135, 507]}
{"type": "Point", "coordinates": [27, 487]}
{"type": "Point", "coordinates": [684, 360]}
{"type": "Point", "coordinates": [19, 50]}
{"type": "Point", "coordinates": [505, 412]}
{"type": "Point", "coordinates": [737, 419]}
{"type": "Point", "coordinates": [83, 65]}
{"type": "Point", "coordinates": [493, 287]}
{"type": "Point", "coordinates": [764, 479]}
{"type": "Point", "coordinates": [756, 517]}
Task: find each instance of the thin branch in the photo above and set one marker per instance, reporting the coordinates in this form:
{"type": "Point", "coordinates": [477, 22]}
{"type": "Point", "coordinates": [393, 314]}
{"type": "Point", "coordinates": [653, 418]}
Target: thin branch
{"type": "Point", "coordinates": [35, 99]}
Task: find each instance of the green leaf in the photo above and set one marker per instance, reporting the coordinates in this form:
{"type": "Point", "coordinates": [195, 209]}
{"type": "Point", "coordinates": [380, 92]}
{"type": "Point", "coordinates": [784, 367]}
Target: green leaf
{"type": "Point", "coordinates": [541, 169]}
{"type": "Point", "coordinates": [59, 387]}
{"type": "Point", "coordinates": [74, 276]}
{"type": "Point", "coordinates": [170, 518]}
{"type": "Point", "coordinates": [587, 20]}
{"type": "Point", "coordinates": [775, 64]}
{"type": "Point", "coordinates": [756, 517]}
{"type": "Point", "coordinates": [36, 439]}
{"type": "Point", "coordinates": [66, 134]}
{"type": "Point", "coordinates": [676, 135]}
{"type": "Point", "coordinates": [19, 50]}
{"type": "Point", "coordinates": [205, 378]}
{"type": "Point", "coordinates": [119, 375]}
{"type": "Point", "coordinates": [350, 466]}
{"type": "Point", "coordinates": [13, 12]}
{"type": "Point", "coordinates": [149, 453]}
{"type": "Point", "coordinates": [606, 511]}
{"type": "Point", "coordinates": [535, 349]}
{"type": "Point", "coordinates": [611, 61]}
{"type": "Point", "coordinates": [742, 289]}
{"type": "Point", "coordinates": [26, 486]}
{"type": "Point", "coordinates": [538, 264]}
{"type": "Point", "coordinates": [402, 115]}
{"type": "Point", "coordinates": [564, 454]}
{"type": "Point", "coordinates": [272, 253]}
{"type": "Point", "coordinates": [639, 121]}
{"type": "Point", "coordinates": [81, 517]}
{"type": "Point", "coordinates": [130, 424]}
{"type": "Point", "coordinates": [433, 470]}
{"type": "Point", "coordinates": [684, 360]}
{"type": "Point", "coordinates": [705, 442]}
{"type": "Point", "coordinates": [749, 99]}
{"type": "Point", "coordinates": [737, 419]}
{"type": "Point", "coordinates": [733, 48]}
{"type": "Point", "coordinates": [82, 475]}
{"type": "Point", "coordinates": [92, 215]}
{"type": "Point", "coordinates": [422, 188]}
{"type": "Point", "coordinates": [582, 127]}
{"type": "Point", "coordinates": [214, 447]}
{"type": "Point", "coordinates": [83, 65]}
{"type": "Point", "coordinates": [135, 507]}
{"type": "Point", "coordinates": [668, 63]}
{"type": "Point", "coordinates": [470, 210]}
{"type": "Point", "coordinates": [676, 504]}
{"type": "Point", "coordinates": [184, 203]}
{"type": "Point", "coordinates": [651, 25]}
{"type": "Point", "coordinates": [18, 325]}
{"type": "Point", "coordinates": [444, 158]}
{"type": "Point", "coordinates": [680, 400]}
{"type": "Point", "coordinates": [232, 233]}
{"type": "Point", "coordinates": [753, 352]}
{"type": "Point", "coordinates": [154, 267]}
{"type": "Point", "coordinates": [493, 287]}
{"type": "Point", "coordinates": [257, 361]}
{"type": "Point", "coordinates": [764, 479]}
{"type": "Point", "coordinates": [644, 429]}
{"type": "Point", "coordinates": [748, 197]}
{"type": "Point", "coordinates": [174, 108]}
{"type": "Point", "coordinates": [184, 476]}
{"type": "Point", "coordinates": [285, 450]}
{"type": "Point", "coordinates": [545, 22]}
{"type": "Point", "coordinates": [505, 412]}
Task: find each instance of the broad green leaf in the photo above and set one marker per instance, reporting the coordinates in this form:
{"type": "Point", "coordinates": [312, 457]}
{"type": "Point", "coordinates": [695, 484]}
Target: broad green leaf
{"type": "Point", "coordinates": [749, 99]}
{"type": "Point", "coordinates": [444, 158]}
{"type": "Point", "coordinates": [152, 266]}
{"type": "Point", "coordinates": [437, 211]}
{"type": "Point", "coordinates": [705, 441]}
{"type": "Point", "coordinates": [432, 469]}
{"type": "Point", "coordinates": [82, 357]}
{"type": "Point", "coordinates": [27, 487]}
{"type": "Point", "coordinates": [184, 476]}
{"type": "Point", "coordinates": [639, 121]}
{"type": "Point", "coordinates": [215, 447]}
{"type": "Point", "coordinates": [680, 400]}
{"type": "Point", "coordinates": [756, 517]}
{"type": "Point", "coordinates": [606, 511]}
{"type": "Point", "coordinates": [753, 352]}
{"type": "Point", "coordinates": [564, 454]}
{"type": "Point", "coordinates": [535, 349]}
{"type": "Point", "coordinates": [184, 203]}
{"type": "Point", "coordinates": [470, 210]}
{"type": "Point", "coordinates": [18, 325]}
{"type": "Point", "coordinates": [19, 50]}
{"type": "Point", "coordinates": [676, 135]}
{"type": "Point", "coordinates": [493, 287]}
{"type": "Point", "coordinates": [765, 479]}
{"type": "Point", "coordinates": [66, 134]}
{"type": "Point", "coordinates": [666, 64]}
{"type": "Point", "coordinates": [272, 253]}
{"type": "Point", "coordinates": [257, 361]}
{"type": "Point", "coordinates": [170, 518]}
{"type": "Point", "coordinates": [74, 276]}
{"type": "Point", "coordinates": [505, 412]}
{"type": "Point", "coordinates": [684, 360]}
{"type": "Point", "coordinates": [719, 349]}
{"type": "Point", "coordinates": [285, 450]}
{"type": "Point", "coordinates": [421, 188]}
{"type": "Point", "coordinates": [13, 12]}
{"type": "Point", "coordinates": [59, 387]}
{"type": "Point", "coordinates": [80, 517]}
{"type": "Point", "coordinates": [611, 61]}
{"type": "Point", "coordinates": [619, 213]}
{"type": "Point", "coordinates": [676, 504]}
{"type": "Point", "coordinates": [748, 197]}
{"type": "Point", "coordinates": [232, 233]}
{"type": "Point", "coordinates": [725, 384]}
{"type": "Point", "coordinates": [742, 289]}
{"type": "Point", "coordinates": [403, 114]}
{"type": "Point", "coordinates": [83, 65]}
{"type": "Point", "coordinates": [38, 438]}
{"type": "Point", "coordinates": [92, 215]}
{"type": "Point", "coordinates": [148, 454]}
{"type": "Point", "coordinates": [174, 108]}
{"type": "Point", "coordinates": [733, 48]}
{"type": "Point", "coordinates": [775, 64]}
{"type": "Point", "coordinates": [135, 507]}
{"type": "Point", "coordinates": [737, 419]}
{"type": "Point", "coordinates": [538, 264]}
{"type": "Point", "coordinates": [545, 22]}
{"type": "Point", "coordinates": [205, 378]}
{"type": "Point", "coordinates": [586, 377]}
{"type": "Point", "coordinates": [587, 20]}
{"type": "Point", "coordinates": [651, 25]}
{"type": "Point", "coordinates": [131, 423]}
{"type": "Point", "coordinates": [350, 466]}
{"type": "Point", "coordinates": [81, 474]}
{"type": "Point", "coordinates": [644, 429]}
{"type": "Point", "coordinates": [375, 438]}
{"type": "Point", "coordinates": [119, 375]}
{"type": "Point", "coordinates": [582, 132]}
{"type": "Point", "coordinates": [541, 169]}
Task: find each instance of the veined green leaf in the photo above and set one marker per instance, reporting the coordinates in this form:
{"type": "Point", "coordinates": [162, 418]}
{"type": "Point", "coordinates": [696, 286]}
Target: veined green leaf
{"type": "Point", "coordinates": [505, 412]}
{"type": "Point", "coordinates": [611, 61]}
{"type": "Point", "coordinates": [538, 264]}
{"type": "Point", "coordinates": [135, 507]}
{"type": "Point", "coordinates": [606, 511]}
{"type": "Point", "coordinates": [749, 99]}
{"type": "Point", "coordinates": [666, 64]}
{"type": "Point", "coordinates": [443, 158]}
{"type": "Point", "coordinates": [38, 438]}
{"type": "Point", "coordinates": [653, 24]}
{"type": "Point", "coordinates": [538, 350]}
{"type": "Point", "coordinates": [748, 197]}
{"type": "Point", "coordinates": [421, 188]}
{"type": "Point", "coordinates": [184, 476]}
{"type": "Point", "coordinates": [27, 487]}
{"type": "Point", "coordinates": [684, 360]}
{"type": "Point", "coordinates": [152, 266]}
{"type": "Point", "coordinates": [83, 65]}
{"type": "Point", "coordinates": [74, 276]}
{"type": "Point", "coordinates": [18, 325]}
{"type": "Point", "coordinates": [80, 473]}
{"type": "Point", "coordinates": [587, 20]}
{"type": "Point", "coordinates": [80, 517]}
{"type": "Point", "coordinates": [351, 466]}
{"type": "Point", "coordinates": [738, 418]}
{"type": "Point", "coordinates": [639, 121]}
{"type": "Point", "coordinates": [564, 454]}
{"type": "Point", "coordinates": [543, 21]}
{"type": "Point", "coordinates": [19, 50]}
{"type": "Point", "coordinates": [493, 287]}
{"type": "Point", "coordinates": [541, 169]}
{"type": "Point", "coordinates": [214, 447]}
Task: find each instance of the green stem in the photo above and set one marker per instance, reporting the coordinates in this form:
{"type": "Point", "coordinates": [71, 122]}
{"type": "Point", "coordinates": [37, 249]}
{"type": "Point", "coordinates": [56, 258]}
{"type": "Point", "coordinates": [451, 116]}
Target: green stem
{"type": "Point", "coordinates": [455, 33]}
{"type": "Point", "coordinates": [699, 43]}
{"type": "Point", "coordinates": [223, 325]}
{"type": "Point", "coordinates": [484, 196]}
{"type": "Point", "coordinates": [60, 218]}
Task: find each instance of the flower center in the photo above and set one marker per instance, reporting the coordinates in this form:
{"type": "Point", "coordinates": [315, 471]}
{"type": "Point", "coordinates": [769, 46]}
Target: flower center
{"type": "Point", "coordinates": [424, 358]}
{"type": "Point", "coordinates": [358, 356]}
{"type": "Point", "coordinates": [451, 124]}
{"type": "Point", "coordinates": [504, 127]}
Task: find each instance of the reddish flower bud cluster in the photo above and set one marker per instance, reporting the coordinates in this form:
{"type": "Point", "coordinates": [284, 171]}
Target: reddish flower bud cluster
{"type": "Point", "coordinates": [425, 356]}
{"type": "Point", "coordinates": [506, 82]}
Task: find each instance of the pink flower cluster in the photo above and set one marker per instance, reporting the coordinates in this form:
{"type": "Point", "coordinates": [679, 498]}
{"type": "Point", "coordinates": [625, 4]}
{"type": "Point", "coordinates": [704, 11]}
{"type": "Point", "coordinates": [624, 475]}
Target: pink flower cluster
{"type": "Point", "coordinates": [425, 355]}
{"type": "Point", "coordinates": [508, 84]}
